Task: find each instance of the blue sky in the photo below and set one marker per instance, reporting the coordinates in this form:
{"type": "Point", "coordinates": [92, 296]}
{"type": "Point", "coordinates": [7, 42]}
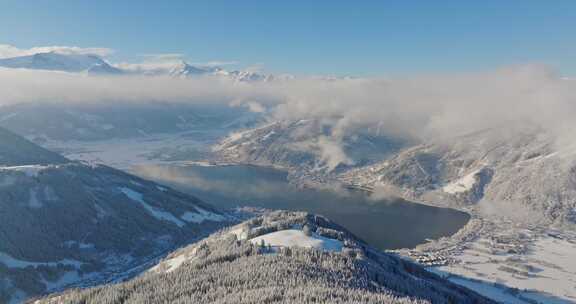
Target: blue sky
{"type": "Point", "coordinates": [309, 37]}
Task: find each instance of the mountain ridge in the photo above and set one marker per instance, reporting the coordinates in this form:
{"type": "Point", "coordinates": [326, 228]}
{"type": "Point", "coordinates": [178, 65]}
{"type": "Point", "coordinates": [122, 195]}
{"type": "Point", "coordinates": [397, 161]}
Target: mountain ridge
{"type": "Point", "coordinates": [68, 223]}
{"type": "Point", "coordinates": [246, 264]}
{"type": "Point", "coordinates": [95, 65]}
{"type": "Point", "coordinates": [53, 61]}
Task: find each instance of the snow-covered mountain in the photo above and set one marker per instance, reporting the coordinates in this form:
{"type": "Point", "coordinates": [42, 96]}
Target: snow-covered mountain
{"type": "Point", "coordinates": [504, 165]}
{"type": "Point", "coordinates": [313, 144]}
{"type": "Point", "coordinates": [61, 62]}
{"type": "Point", "coordinates": [183, 69]}
{"type": "Point", "coordinates": [281, 257]}
{"type": "Point", "coordinates": [250, 76]}
{"type": "Point", "coordinates": [94, 65]}
{"type": "Point", "coordinates": [515, 164]}
{"type": "Point", "coordinates": [65, 222]}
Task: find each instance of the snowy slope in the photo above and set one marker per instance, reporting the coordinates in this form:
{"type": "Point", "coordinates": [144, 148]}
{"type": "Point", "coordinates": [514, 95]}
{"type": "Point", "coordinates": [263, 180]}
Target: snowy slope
{"type": "Point", "coordinates": [308, 145]}
{"type": "Point", "coordinates": [67, 223]}
{"type": "Point", "coordinates": [224, 269]}
{"type": "Point", "coordinates": [464, 184]}
{"type": "Point", "coordinates": [94, 65]}
{"type": "Point", "coordinates": [513, 164]}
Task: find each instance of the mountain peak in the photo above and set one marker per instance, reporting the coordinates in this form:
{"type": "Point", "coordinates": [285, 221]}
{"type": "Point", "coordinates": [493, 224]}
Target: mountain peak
{"type": "Point", "coordinates": [183, 69]}
{"type": "Point", "coordinates": [93, 64]}
{"type": "Point", "coordinates": [53, 61]}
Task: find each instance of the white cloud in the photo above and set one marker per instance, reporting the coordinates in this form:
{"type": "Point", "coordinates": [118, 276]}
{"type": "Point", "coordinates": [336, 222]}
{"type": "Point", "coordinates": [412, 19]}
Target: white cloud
{"type": "Point", "coordinates": [437, 105]}
{"type": "Point", "coordinates": [23, 86]}
{"type": "Point", "coordinates": [255, 107]}
{"type": "Point", "coordinates": [332, 153]}
{"type": "Point", "coordinates": [7, 51]}
{"type": "Point", "coordinates": [425, 107]}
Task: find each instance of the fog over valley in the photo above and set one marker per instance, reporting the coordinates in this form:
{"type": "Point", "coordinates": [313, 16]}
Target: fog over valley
{"type": "Point", "coordinates": [287, 152]}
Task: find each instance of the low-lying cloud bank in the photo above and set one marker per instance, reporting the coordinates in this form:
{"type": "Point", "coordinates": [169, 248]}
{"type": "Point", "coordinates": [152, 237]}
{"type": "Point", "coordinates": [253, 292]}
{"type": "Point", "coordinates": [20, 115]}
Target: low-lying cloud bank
{"type": "Point", "coordinates": [440, 105]}
{"type": "Point", "coordinates": [25, 86]}
{"type": "Point", "coordinates": [424, 107]}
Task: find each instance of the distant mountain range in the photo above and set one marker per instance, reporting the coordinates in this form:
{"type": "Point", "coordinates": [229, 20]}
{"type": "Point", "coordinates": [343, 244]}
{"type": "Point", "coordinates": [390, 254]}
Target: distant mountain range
{"type": "Point", "coordinates": [61, 62]}
{"type": "Point", "coordinates": [66, 223]}
{"type": "Point", "coordinates": [94, 65]}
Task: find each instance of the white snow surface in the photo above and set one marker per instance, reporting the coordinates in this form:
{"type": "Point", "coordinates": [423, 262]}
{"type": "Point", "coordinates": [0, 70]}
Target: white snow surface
{"type": "Point", "coordinates": [155, 212]}
{"type": "Point", "coordinates": [240, 231]}
{"type": "Point", "coordinates": [201, 216]}
{"type": "Point", "coordinates": [551, 260]}
{"type": "Point", "coordinates": [174, 263]}
{"type": "Point", "coordinates": [284, 238]}
{"type": "Point", "coordinates": [29, 170]}
{"type": "Point", "coordinates": [487, 290]}
{"type": "Point", "coordinates": [463, 184]}
{"type": "Point", "coordinates": [126, 153]}
{"type": "Point", "coordinates": [297, 238]}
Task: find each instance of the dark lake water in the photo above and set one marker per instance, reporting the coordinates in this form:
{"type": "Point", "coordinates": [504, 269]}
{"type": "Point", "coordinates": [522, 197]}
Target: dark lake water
{"type": "Point", "coordinates": [385, 224]}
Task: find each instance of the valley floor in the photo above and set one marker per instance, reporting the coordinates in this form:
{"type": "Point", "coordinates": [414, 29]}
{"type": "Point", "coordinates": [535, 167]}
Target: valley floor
{"type": "Point", "coordinates": [512, 263]}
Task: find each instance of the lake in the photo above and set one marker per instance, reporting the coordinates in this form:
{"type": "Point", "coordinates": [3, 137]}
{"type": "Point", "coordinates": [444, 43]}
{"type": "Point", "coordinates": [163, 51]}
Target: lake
{"type": "Point", "coordinates": [385, 224]}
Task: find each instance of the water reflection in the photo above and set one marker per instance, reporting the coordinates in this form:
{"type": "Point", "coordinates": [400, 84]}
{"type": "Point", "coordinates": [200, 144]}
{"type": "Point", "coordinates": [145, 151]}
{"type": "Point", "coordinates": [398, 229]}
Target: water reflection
{"type": "Point", "coordinates": [385, 224]}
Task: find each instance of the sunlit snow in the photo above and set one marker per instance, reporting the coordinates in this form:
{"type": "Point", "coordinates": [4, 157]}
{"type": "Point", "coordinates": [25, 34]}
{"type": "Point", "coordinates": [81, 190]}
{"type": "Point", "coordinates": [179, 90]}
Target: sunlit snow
{"type": "Point", "coordinates": [155, 212]}
{"type": "Point", "coordinates": [297, 238]}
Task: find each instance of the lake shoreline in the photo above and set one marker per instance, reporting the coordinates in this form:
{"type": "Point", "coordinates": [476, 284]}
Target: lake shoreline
{"type": "Point", "coordinates": [353, 210]}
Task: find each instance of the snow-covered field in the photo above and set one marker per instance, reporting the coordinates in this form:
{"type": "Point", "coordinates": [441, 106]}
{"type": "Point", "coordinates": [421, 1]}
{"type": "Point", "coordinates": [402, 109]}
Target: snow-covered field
{"type": "Point", "coordinates": [284, 238]}
{"type": "Point", "coordinates": [535, 267]}
{"type": "Point", "coordinates": [462, 185]}
{"type": "Point", "coordinates": [297, 238]}
{"type": "Point", "coordinates": [126, 153]}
